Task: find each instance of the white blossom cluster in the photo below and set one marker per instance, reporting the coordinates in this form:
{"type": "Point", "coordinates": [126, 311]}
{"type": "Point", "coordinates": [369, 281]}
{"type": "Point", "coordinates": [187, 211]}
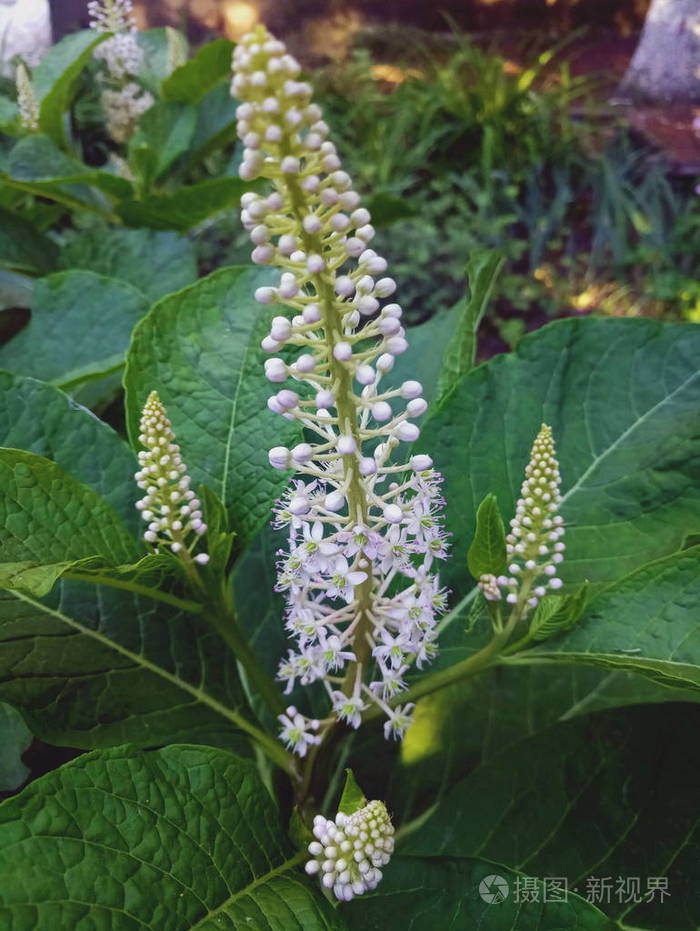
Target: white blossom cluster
{"type": "Point", "coordinates": [124, 101]}
{"type": "Point", "coordinates": [534, 545]}
{"type": "Point", "coordinates": [27, 104]}
{"type": "Point", "coordinates": [350, 850]}
{"type": "Point", "coordinates": [364, 527]}
{"type": "Point", "coordinates": [169, 506]}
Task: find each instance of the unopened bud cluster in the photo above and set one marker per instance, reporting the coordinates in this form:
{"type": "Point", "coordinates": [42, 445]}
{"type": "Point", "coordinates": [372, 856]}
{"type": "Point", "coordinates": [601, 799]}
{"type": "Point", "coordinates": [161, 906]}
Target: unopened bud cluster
{"type": "Point", "coordinates": [364, 527]}
{"type": "Point", "coordinates": [27, 104]}
{"type": "Point", "coordinates": [349, 851]}
{"type": "Point", "coordinates": [169, 507]}
{"type": "Point", "coordinates": [123, 100]}
{"type": "Point", "coordinates": [534, 545]}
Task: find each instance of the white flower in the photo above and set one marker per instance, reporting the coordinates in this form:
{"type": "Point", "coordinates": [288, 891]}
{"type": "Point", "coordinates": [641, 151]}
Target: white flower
{"type": "Point", "coordinates": [349, 708]}
{"type": "Point", "coordinates": [364, 526]}
{"type": "Point", "coordinates": [296, 731]}
{"type": "Point", "coordinates": [399, 721]}
{"type": "Point", "coordinates": [349, 851]}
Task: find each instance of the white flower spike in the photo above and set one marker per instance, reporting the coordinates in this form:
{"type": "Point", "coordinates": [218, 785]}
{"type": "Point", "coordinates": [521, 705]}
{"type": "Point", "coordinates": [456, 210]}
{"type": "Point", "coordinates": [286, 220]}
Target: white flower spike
{"type": "Point", "coordinates": [172, 512]}
{"type": "Point", "coordinates": [123, 101]}
{"type": "Point", "coordinates": [348, 852]}
{"type": "Point", "coordinates": [364, 526]}
{"type": "Point", "coordinates": [534, 545]}
{"type": "Point", "coordinates": [27, 104]}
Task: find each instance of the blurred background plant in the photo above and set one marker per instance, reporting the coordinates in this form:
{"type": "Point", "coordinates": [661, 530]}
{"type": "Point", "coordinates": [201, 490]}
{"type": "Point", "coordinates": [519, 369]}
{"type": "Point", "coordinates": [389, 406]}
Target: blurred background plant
{"type": "Point", "coordinates": [461, 142]}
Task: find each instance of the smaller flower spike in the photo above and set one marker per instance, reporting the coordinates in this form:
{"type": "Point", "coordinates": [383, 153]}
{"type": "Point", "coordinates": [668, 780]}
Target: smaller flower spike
{"type": "Point", "coordinates": [27, 103]}
{"type": "Point", "coordinates": [349, 851]}
{"type": "Point", "coordinates": [534, 546]}
{"type": "Point", "coordinates": [172, 511]}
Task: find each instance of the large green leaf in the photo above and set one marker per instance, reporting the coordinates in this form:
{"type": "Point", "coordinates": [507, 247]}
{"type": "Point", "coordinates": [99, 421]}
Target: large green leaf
{"type": "Point", "coordinates": [185, 837]}
{"type": "Point", "coordinates": [647, 623]}
{"type": "Point", "coordinates": [186, 207]}
{"type": "Point", "coordinates": [157, 263]}
{"type": "Point", "coordinates": [47, 516]}
{"type": "Point", "coordinates": [200, 349]}
{"type": "Point", "coordinates": [23, 247]}
{"type": "Point", "coordinates": [94, 667]}
{"type": "Point", "coordinates": [194, 79]}
{"type": "Point", "coordinates": [612, 795]}
{"type": "Point", "coordinates": [35, 164]}
{"type": "Point", "coordinates": [216, 123]}
{"type": "Point", "coordinates": [80, 327]}
{"type": "Point", "coordinates": [448, 895]}
{"type": "Point", "coordinates": [482, 271]}
{"type": "Point", "coordinates": [164, 134]}
{"type": "Point", "coordinates": [56, 76]}
{"type": "Point", "coordinates": [41, 419]}
{"type": "Point", "coordinates": [623, 400]}
{"type": "Point", "coordinates": [15, 738]}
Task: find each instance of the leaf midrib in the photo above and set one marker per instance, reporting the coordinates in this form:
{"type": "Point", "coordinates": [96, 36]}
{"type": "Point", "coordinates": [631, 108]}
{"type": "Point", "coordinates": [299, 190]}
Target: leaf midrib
{"type": "Point", "coordinates": [650, 412]}
{"type": "Point", "coordinates": [282, 868]}
{"type": "Point", "coordinates": [138, 660]}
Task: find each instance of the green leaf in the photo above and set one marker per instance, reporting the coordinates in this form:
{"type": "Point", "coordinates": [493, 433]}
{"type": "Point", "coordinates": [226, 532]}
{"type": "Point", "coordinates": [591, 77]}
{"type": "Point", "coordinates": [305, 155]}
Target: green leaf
{"type": "Point", "coordinates": [156, 59]}
{"type": "Point", "coordinates": [200, 350]}
{"type": "Point", "coordinates": [157, 263]}
{"type": "Point", "coordinates": [622, 398]}
{"type": "Point", "coordinates": [487, 553]}
{"type": "Point", "coordinates": [646, 623]}
{"type": "Point", "coordinates": [216, 123]}
{"type": "Point", "coordinates": [185, 837]}
{"type": "Point", "coordinates": [164, 134]}
{"type": "Point", "coordinates": [22, 247]}
{"type": "Point", "coordinates": [190, 82]}
{"type": "Point", "coordinates": [353, 798]}
{"type": "Point", "coordinates": [185, 208]}
{"type": "Point", "coordinates": [420, 894]}
{"type": "Point", "coordinates": [47, 516]}
{"type": "Point", "coordinates": [429, 345]}
{"type": "Point", "coordinates": [95, 666]}
{"type": "Point", "coordinates": [56, 77]}
{"type": "Point", "coordinates": [623, 784]}
{"type": "Point", "coordinates": [557, 613]}
{"type": "Point", "coordinates": [482, 271]}
{"type": "Point", "coordinates": [35, 164]}
{"type": "Point", "coordinates": [219, 537]}
{"type": "Point", "coordinates": [15, 738]}
{"type": "Point", "coordinates": [9, 117]}
{"type": "Point", "coordinates": [70, 337]}
{"type": "Point", "coordinates": [41, 419]}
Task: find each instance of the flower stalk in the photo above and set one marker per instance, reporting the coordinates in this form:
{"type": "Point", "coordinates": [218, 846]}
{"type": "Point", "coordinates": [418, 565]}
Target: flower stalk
{"type": "Point", "coordinates": [364, 526]}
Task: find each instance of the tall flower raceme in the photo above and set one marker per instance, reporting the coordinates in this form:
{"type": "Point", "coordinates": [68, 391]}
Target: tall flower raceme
{"type": "Point", "coordinates": [169, 506]}
{"type": "Point", "coordinates": [27, 104]}
{"type": "Point", "coordinates": [123, 100]}
{"type": "Point", "coordinates": [534, 545]}
{"type": "Point", "coordinates": [364, 527]}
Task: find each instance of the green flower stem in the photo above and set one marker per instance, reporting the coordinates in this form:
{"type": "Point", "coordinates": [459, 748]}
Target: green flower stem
{"type": "Point", "coordinates": [346, 407]}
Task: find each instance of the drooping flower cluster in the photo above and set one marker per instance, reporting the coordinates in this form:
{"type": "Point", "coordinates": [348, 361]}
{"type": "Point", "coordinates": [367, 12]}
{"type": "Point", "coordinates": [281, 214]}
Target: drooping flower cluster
{"type": "Point", "coordinates": [364, 526]}
{"type": "Point", "coordinates": [169, 506]}
{"type": "Point", "coordinates": [350, 850]}
{"type": "Point", "coordinates": [123, 100]}
{"type": "Point", "coordinates": [27, 103]}
{"type": "Point", "coordinates": [534, 545]}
